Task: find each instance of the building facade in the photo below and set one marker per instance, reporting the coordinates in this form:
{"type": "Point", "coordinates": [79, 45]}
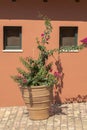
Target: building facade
{"type": "Point", "coordinates": [19, 27]}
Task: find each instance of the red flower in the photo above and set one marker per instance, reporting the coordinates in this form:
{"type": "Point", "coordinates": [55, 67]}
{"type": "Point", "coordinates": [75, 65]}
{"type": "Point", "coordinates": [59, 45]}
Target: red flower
{"type": "Point", "coordinates": [24, 81]}
{"type": "Point", "coordinates": [84, 40]}
{"type": "Point", "coordinates": [42, 35]}
{"type": "Point", "coordinates": [57, 74]}
{"type": "Point", "coordinates": [51, 70]}
{"type": "Point", "coordinates": [47, 39]}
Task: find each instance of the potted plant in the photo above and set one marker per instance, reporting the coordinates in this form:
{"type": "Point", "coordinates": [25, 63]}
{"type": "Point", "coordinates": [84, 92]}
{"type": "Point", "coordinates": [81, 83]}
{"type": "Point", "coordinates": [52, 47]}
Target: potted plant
{"type": "Point", "coordinates": [36, 83]}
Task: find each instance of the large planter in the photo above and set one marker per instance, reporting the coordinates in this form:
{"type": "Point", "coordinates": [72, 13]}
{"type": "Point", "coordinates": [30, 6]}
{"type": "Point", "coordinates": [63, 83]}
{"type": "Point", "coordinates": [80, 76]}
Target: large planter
{"type": "Point", "coordinates": [38, 100]}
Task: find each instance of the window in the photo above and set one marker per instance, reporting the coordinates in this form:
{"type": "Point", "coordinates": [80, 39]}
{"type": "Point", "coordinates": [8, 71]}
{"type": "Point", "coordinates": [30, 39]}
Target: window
{"type": "Point", "coordinates": [68, 36]}
{"type": "Point", "coordinates": [12, 37]}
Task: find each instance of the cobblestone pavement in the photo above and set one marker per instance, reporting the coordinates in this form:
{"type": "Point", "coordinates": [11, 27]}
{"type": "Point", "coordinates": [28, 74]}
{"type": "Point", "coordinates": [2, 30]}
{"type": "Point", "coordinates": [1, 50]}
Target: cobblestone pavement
{"type": "Point", "coordinates": [66, 117]}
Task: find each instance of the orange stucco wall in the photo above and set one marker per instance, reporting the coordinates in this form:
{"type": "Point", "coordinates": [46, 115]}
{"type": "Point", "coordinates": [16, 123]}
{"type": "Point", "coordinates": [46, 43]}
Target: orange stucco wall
{"type": "Point", "coordinates": [25, 14]}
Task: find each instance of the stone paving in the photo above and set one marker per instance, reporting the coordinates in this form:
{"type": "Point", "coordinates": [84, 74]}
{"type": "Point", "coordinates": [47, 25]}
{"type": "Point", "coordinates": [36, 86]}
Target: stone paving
{"type": "Point", "coordinates": [65, 117]}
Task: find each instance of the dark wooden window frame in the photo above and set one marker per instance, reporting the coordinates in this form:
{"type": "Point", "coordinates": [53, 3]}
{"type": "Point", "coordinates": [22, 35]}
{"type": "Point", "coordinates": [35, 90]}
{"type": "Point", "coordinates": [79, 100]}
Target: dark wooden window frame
{"type": "Point", "coordinates": [66, 29]}
{"type": "Point", "coordinates": [5, 36]}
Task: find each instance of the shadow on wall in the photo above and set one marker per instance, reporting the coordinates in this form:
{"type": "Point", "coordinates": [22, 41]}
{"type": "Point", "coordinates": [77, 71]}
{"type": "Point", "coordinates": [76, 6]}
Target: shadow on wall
{"type": "Point", "coordinates": [78, 99]}
{"type": "Point", "coordinates": [63, 10]}
{"type": "Point", "coordinates": [58, 88]}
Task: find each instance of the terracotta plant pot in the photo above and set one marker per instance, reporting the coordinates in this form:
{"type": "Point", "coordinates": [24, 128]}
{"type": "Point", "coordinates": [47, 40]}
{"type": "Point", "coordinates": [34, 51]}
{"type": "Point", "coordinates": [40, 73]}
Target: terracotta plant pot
{"type": "Point", "coordinates": [38, 100]}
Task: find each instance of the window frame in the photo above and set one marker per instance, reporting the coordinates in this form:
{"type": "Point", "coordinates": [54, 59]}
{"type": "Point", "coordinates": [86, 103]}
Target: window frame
{"type": "Point", "coordinates": [75, 29]}
{"type": "Point", "coordinates": [5, 28]}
